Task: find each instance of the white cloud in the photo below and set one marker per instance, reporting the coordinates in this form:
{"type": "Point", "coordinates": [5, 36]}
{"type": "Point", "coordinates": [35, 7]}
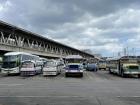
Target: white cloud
{"type": "Point", "coordinates": [5, 6]}
{"type": "Point", "coordinates": [80, 24]}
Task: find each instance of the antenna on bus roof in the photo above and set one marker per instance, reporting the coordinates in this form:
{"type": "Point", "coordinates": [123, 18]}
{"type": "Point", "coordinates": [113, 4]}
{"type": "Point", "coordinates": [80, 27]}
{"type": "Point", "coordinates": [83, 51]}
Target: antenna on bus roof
{"type": "Point", "coordinates": [133, 52]}
{"type": "Point", "coordinates": [125, 52]}
{"type": "Point", "coordinates": [119, 54]}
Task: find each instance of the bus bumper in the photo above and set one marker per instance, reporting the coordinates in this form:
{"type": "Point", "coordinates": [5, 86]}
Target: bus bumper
{"type": "Point", "coordinates": [27, 73]}
{"type": "Point", "coordinates": [74, 74]}
{"type": "Point", "coordinates": [45, 73]}
{"type": "Point", "coordinates": [10, 71]}
{"type": "Point", "coordinates": [133, 73]}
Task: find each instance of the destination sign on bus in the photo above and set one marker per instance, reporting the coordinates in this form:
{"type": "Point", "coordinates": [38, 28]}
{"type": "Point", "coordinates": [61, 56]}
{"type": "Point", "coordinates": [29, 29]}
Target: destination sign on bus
{"type": "Point", "coordinates": [129, 60]}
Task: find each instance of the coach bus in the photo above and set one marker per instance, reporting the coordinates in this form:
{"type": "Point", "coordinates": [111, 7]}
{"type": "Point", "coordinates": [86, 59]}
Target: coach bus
{"type": "Point", "coordinates": [124, 66]}
{"type": "Point", "coordinates": [74, 65]}
{"type": "Point", "coordinates": [12, 61]}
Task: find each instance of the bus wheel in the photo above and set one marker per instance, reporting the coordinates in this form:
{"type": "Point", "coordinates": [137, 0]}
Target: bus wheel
{"type": "Point", "coordinates": [110, 71]}
{"type": "Point", "coordinates": [81, 75]}
{"type": "Point", "coordinates": [66, 75]}
{"type": "Point", "coordinates": [123, 75]}
{"type": "Point", "coordinates": [96, 69]}
{"type": "Point", "coordinates": [138, 75]}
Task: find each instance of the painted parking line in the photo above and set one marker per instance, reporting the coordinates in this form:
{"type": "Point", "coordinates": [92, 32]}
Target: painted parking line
{"type": "Point", "coordinates": [11, 84]}
{"type": "Point", "coordinates": [89, 76]}
{"type": "Point", "coordinates": [44, 96]}
{"type": "Point", "coordinates": [59, 96]}
{"type": "Point", "coordinates": [128, 96]}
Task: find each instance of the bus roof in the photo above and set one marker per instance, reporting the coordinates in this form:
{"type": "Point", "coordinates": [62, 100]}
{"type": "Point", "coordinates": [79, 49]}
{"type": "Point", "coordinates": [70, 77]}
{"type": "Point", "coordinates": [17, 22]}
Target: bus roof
{"type": "Point", "coordinates": [28, 61]}
{"type": "Point", "coordinates": [113, 58]}
{"type": "Point", "coordinates": [16, 53]}
{"type": "Point", "coordinates": [128, 57]}
{"type": "Point", "coordinates": [74, 57]}
{"type": "Point", "coordinates": [74, 64]}
{"type": "Point", "coordinates": [122, 57]}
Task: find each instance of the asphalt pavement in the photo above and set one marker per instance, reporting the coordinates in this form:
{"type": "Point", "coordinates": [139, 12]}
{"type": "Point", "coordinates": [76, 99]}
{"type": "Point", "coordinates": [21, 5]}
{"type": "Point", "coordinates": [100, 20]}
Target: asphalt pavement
{"type": "Point", "coordinates": [95, 88]}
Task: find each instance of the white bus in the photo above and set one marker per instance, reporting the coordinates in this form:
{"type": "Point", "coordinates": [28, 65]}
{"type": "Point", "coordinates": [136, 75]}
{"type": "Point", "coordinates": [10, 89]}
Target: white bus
{"type": "Point", "coordinates": [124, 66]}
{"type": "Point", "coordinates": [12, 61]}
{"type": "Point", "coordinates": [53, 67]}
{"type": "Point", "coordinates": [28, 68]}
{"type": "Point", "coordinates": [74, 65]}
{"type": "Point", "coordinates": [0, 63]}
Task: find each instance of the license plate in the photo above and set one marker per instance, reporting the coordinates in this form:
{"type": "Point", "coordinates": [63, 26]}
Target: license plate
{"type": "Point", "coordinates": [73, 71]}
{"type": "Point", "coordinates": [7, 70]}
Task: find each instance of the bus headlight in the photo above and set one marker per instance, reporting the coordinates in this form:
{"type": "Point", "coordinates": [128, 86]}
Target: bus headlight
{"type": "Point", "coordinates": [81, 71]}
{"type": "Point", "coordinates": [66, 70]}
{"type": "Point", "coordinates": [15, 70]}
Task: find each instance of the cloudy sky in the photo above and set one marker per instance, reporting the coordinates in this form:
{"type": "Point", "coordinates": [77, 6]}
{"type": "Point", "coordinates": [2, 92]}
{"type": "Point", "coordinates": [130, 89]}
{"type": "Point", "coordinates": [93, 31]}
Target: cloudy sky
{"type": "Point", "coordinates": [104, 26]}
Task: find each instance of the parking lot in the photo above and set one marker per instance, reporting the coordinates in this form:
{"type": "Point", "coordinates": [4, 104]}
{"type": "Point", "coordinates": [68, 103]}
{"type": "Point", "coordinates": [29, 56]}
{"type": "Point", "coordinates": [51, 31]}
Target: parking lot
{"type": "Point", "coordinates": [95, 88]}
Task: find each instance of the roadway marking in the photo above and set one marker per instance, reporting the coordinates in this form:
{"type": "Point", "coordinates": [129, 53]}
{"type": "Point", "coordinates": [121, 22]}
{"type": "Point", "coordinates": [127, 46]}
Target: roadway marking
{"type": "Point", "coordinates": [62, 96]}
{"type": "Point", "coordinates": [128, 96]}
{"type": "Point", "coordinates": [89, 76]}
{"type": "Point", "coordinates": [42, 96]}
{"type": "Point", "coordinates": [11, 84]}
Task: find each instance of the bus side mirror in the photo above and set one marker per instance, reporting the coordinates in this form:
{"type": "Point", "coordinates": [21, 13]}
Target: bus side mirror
{"type": "Point", "coordinates": [65, 67]}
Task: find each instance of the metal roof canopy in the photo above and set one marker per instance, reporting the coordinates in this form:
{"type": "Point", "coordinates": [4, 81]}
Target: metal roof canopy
{"type": "Point", "coordinates": [39, 36]}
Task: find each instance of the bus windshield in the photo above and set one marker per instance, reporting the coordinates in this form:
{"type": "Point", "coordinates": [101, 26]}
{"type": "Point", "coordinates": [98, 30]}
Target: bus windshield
{"type": "Point", "coordinates": [10, 61]}
{"type": "Point", "coordinates": [50, 64]}
{"type": "Point", "coordinates": [27, 65]}
{"type": "Point", "coordinates": [10, 58]}
{"type": "Point", "coordinates": [133, 67]}
{"type": "Point", "coordinates": [73, 66]}
{"type": "Point", "coordinates": [102, 62]}
{"type": "Point", "coordinates": [9, 64]}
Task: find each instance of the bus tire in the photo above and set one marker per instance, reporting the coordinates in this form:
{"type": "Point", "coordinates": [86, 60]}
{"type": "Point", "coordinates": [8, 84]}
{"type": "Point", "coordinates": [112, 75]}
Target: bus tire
{"type": "Point", "coordinates": [123, 75]}
{"type": "Point", "coordinates": [21, 74]}
{"type": "Point", "coordinates": [96, 69]}
{"type": "Point", "coordinates": [138, 75]}
{"type": "Point", "coordinates": [81, 75]}
{"type": "Point", "coordinates": [110, 71]}
{"type": "Point", "coordinates": [66, 75]}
